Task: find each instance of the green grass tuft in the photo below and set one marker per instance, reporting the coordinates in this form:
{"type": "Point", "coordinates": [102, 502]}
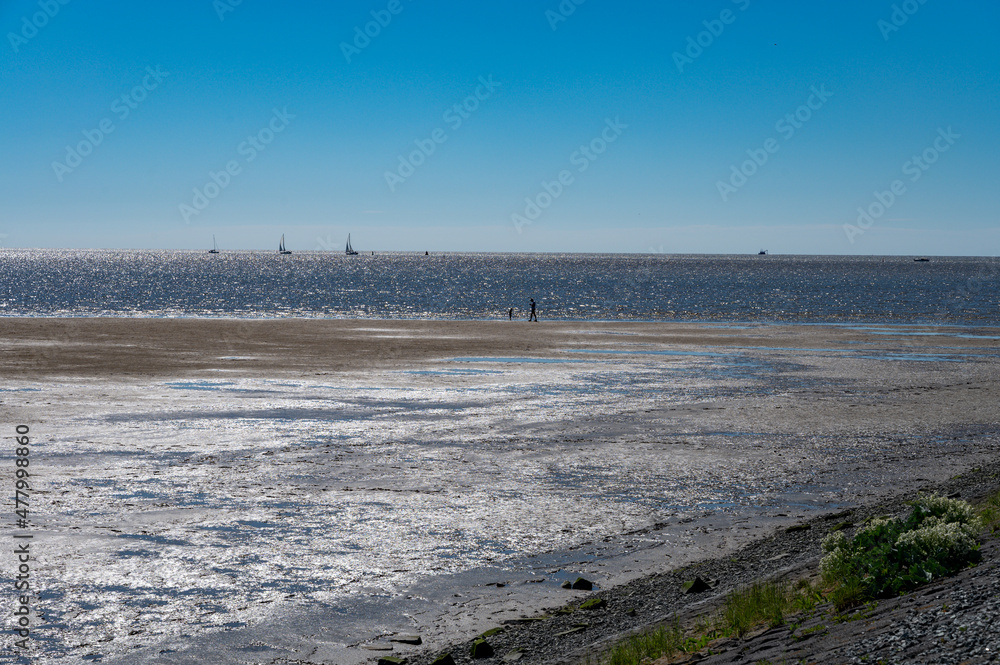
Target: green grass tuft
{"type": "Point", "coordinates": [744, 609]}
{"type": "Point", "coordinates": [989, 513]}
{"type": "Point", "coordinates": [647, 646]}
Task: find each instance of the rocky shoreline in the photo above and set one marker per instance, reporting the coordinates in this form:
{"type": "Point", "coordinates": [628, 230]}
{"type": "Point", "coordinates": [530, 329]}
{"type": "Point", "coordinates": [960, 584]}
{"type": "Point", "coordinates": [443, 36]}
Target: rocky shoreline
{"type": "Point", "coordinates": [946, 622]}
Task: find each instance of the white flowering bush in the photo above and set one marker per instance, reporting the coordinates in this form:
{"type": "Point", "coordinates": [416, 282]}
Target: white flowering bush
{"type": "Point", "coordinates": [875, 523]}
{"type": "Point", "coordinates": [946, 510]}
{"type": "Point", "coordinates": [939, 540]}
{"type": "Point", "coordinates": [888, 556]}
{"type": "Point", "coordinates": [835, 547]}
{"type": "Point", "coordinates": [834, 541]}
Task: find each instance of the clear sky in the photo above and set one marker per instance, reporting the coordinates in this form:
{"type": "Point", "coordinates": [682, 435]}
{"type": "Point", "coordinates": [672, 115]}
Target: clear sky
{"type": "Point", "coordinates": [712, 126]}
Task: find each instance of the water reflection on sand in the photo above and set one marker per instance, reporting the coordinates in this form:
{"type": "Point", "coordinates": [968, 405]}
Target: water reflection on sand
{"type": "Point", "coordinates": [184, 507]}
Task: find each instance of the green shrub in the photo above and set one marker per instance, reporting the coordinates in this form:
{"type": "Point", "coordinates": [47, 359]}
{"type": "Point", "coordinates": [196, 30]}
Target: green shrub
{"type": "Point", "coordinates": [888, 556]}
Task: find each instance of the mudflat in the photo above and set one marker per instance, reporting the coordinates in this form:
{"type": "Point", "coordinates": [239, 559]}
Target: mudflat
{"type": "Point", "coordinates": [901, 382]}
{"type": "Point", "coordinates": [321, 485]}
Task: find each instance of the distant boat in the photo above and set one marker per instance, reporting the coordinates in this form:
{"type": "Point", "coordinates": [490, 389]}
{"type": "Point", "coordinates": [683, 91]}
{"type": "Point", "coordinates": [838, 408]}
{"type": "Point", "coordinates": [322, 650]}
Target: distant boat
{"type": "Point", "coordinates": [350, 250]}
{"type": "Point", "coordinates": [922, 259]}
{"type": "Point", "coordinates": [762, 252]}
{"type": "Point", "coordinates": [281, 246]}
{"type": "Point", "coordinates": [215, 246]}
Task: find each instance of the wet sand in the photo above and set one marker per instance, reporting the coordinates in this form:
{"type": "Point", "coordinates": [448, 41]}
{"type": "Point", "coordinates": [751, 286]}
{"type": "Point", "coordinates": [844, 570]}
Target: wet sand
{"type": "Point", "coordinates": [683, 440]}
{"type": "Point", "coordinates": [115, 347]}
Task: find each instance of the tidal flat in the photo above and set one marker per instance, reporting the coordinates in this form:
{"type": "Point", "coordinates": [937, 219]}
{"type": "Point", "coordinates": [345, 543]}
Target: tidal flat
{"type": "Point", "coordinates": [297, 490]}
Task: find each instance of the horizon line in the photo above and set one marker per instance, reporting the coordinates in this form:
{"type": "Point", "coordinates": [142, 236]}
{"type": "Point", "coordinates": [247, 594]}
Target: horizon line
{"type": "Point", "coordinates": [421, 252]}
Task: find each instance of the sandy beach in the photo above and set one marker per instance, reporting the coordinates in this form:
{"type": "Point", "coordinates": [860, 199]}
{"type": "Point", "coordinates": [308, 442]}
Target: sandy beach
{"type": "Point", "coordinates": [315, 486]}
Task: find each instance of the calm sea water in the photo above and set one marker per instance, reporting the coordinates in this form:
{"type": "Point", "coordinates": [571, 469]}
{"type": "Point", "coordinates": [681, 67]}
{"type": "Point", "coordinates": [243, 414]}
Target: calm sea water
{"type": "Point", "coordinates": [483, 286]}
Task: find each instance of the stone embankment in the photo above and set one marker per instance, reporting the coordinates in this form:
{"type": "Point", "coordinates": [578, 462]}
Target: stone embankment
{"type": "Point", "coordinates": [953, 620]}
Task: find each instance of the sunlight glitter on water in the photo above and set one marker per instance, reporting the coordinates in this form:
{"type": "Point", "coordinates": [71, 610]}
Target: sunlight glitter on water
{"type": "Point", "coordinates": [251, 494]}
{"type": "Point", "coordinates": [483, 286]}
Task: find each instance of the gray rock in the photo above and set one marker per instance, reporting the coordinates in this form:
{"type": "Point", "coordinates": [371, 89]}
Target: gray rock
{"type": "Point", "coordinates": [406, 639]}
{"type": "Point", "coordinates": [389, 660]}
{"type": "Point", "coordinates": [444, 659]}
{"type": "Point", "coordinates": [481, 649]}
{"type": "Point", "coordinates": [377, 646]}
{"type": "Point", "coordinates": [697, 585]}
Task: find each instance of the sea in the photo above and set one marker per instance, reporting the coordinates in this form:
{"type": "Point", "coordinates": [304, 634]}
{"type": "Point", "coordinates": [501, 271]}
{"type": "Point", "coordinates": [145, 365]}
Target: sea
{"type": "Point", "coordinates": [479, 286]}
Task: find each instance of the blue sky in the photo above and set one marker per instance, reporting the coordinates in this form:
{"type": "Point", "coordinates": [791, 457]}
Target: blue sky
{"type": "Point", "coordinates": [712, 126]}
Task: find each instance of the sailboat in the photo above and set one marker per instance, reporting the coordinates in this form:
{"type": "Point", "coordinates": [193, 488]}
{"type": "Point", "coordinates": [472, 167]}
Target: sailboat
{"type": "Point", "coordinates": [215, 246]}
{"type": "Point", "coordinates": [350, 250]}
{"type": "Point", "coordinates": [281, 246]}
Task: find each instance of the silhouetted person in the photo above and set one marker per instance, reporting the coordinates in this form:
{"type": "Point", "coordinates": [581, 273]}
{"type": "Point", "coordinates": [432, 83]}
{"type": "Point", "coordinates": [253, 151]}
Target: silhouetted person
{"type": "Point", "coordinates": [533, 316]}
{"type": "Point", "coordinates": [510, 313]}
